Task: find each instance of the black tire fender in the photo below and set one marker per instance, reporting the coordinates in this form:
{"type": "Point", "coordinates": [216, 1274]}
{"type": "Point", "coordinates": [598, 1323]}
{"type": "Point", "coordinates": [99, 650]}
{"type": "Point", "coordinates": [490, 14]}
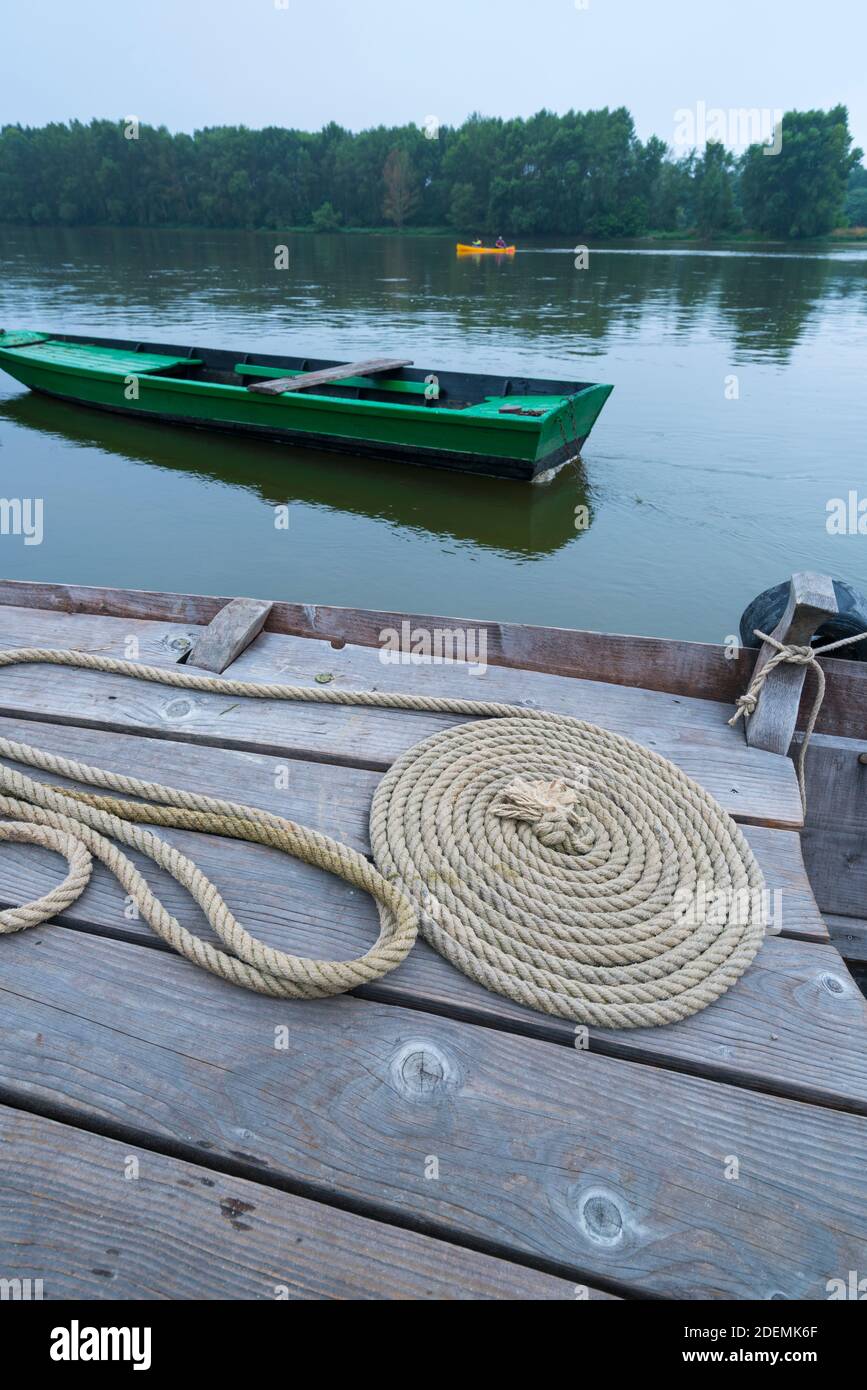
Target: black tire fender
{"type": "Point", "coordinates": [767, 609]}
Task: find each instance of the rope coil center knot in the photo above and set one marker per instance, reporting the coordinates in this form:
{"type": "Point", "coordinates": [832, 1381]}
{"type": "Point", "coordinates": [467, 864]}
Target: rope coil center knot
{"type": "Point", "coordinates": [550, 807]}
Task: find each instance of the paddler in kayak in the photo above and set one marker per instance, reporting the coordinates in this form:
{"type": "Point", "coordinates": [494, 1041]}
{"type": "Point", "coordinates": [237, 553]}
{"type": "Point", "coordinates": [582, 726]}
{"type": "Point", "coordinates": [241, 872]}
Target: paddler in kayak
{"type": "Point", "coordinates": [499, 241]}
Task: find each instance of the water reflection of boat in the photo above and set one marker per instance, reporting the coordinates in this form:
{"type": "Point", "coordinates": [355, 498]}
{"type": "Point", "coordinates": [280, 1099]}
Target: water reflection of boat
{"type": "Point", "coordinates": [499, 516]}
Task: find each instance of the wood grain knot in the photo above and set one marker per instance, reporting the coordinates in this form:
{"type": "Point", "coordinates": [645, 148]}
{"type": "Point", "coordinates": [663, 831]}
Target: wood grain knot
{"type": "Point", "coordinates": [177, 709]}
{"type": "Point", "coordinates": [833, 985]}
{"type": "Point", "coordinates": [421, 1070]}
{"type": "Point", "coordinates": [602, 1218]}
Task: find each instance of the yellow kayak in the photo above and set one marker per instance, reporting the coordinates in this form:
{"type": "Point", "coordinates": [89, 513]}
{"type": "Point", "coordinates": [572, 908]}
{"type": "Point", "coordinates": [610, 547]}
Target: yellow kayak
{"type": "Point", "coordinates": [485, 250]}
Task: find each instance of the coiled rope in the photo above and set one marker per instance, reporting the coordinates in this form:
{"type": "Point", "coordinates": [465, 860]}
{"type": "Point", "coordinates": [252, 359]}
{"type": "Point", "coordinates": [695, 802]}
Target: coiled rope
{"type": "Point", "coordinates": [560, 865]}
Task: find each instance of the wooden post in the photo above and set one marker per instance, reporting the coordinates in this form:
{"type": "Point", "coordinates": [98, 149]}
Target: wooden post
{"type": "Point", "coordinates": [772, 724]}
{"type": "Point", "coordinates": [228, 633]}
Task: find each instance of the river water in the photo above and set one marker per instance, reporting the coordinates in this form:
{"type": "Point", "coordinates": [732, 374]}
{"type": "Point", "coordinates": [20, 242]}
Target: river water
{"type": "Point", "coordinates": [739, 412]}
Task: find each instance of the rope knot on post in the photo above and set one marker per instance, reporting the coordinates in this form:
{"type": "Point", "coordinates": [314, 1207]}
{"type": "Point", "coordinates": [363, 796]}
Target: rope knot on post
{"type": "Point", "coordinates": [791, 654]}
{"type": "Point", "coordinates": [550, 807]}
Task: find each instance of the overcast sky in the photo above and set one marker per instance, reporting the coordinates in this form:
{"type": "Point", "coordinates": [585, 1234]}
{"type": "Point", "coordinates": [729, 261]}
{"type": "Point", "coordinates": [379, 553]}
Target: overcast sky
{"type": "Point", "coordinates": [191, 63]}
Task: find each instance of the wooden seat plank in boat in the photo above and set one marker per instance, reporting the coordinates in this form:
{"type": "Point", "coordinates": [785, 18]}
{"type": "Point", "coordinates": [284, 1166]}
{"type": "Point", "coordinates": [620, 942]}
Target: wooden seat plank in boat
{"type": "Point", "coordinates": [391, 384]}
{"type": "Point", "coordinates": [115, 360]}
{"type": "Point", "coordinates": [373, 366]}
{"type": "Point", "coordinates": [177, 1233]}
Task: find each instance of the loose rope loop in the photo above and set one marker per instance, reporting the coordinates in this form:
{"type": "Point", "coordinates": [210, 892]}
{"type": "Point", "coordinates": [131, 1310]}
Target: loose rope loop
{"type": "Point", "coordinates": [794, 655]}
{"type": "Point", "coordinates": [560, 865]}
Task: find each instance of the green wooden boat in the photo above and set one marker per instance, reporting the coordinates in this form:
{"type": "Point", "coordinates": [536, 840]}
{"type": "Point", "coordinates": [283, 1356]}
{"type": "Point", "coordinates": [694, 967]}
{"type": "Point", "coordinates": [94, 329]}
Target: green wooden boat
{"type": "Point", "coordinates": [516, 427]}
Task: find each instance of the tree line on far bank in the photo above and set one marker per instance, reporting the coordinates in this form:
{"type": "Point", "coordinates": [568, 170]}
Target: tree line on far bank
{"type": "Point", "coordinates": [582, 174]}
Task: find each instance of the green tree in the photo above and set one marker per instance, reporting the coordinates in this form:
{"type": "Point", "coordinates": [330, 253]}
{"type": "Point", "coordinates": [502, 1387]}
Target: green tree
{"type": "Point", "coordinates": [401, 187]}
{"type": "Point", "coordinates": [464, 206]}
{"type": "Point", "coordinates": [856, 198]}
{"type": "Point", "coordinates": [326, 218]}
{"type": "Point", "coordinates": [801, 191]}
{"type": "Point", "coordinates": [671, 195]}
{"type": "Point", "coordinates": [714, 190]}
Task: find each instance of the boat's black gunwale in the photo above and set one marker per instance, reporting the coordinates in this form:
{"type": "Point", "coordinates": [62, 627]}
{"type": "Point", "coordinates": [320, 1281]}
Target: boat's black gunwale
{"type": "Point", "coordinates": [475, 385]}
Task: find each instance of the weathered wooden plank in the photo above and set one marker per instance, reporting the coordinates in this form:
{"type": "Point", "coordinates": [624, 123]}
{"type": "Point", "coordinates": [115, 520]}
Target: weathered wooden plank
{"type": "Point", "coordinates": [849, 935]}
{"type": "Point", "coordinates": [695, 734]}
{"type": "Point", "coordinates": [795, 1024]}
{"type": "Point", "coordinates": [300, 660]}
{"type": "Point", "coordinates": [80, 1217]}
{"type": "Point", "coordinates": [836, 859]}
{"type": "Point", "coordinates": [228, 634]}
{"type": "Point", "coordinates": [756, 787]}
{"type": "Point", "coordinates": [681, 668]}
{"type": "Point", "coordinates": [605, 1170]}
{"type": "Point", "coordinates": [835, 835]}
{"type": "Point", "coordinates": [782, 862]}
{"type": "Point", "coordinates": [753, 1036]}
{"type": "Point", "coordinates": [371, 367]}
{"type": "Point", "coordinates": [156, 642]}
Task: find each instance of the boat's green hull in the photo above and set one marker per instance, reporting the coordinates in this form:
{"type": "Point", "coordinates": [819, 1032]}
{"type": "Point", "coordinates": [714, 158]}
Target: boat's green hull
{"type": "Point", "coordinates": [479, 439]}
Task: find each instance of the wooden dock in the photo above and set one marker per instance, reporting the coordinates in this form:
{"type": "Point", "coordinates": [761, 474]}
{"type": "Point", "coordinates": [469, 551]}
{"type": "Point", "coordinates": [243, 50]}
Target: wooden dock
{"type": "Point", "coordinates": [164, 1134]}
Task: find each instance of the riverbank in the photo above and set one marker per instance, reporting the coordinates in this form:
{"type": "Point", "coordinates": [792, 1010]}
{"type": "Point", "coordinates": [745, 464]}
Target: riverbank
{"type": "Point", "coordinates": [840, 236]}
